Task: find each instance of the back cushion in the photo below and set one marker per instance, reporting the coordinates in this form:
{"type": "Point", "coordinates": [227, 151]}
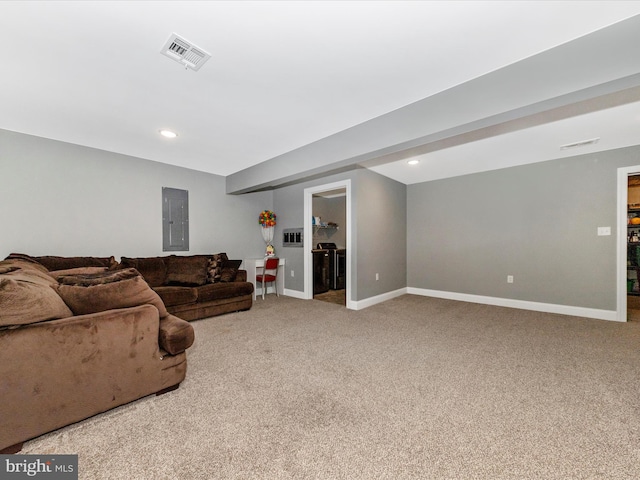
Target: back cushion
{"type": "Point", "coordinates": [153, 269]}
{"type": "Point", "coordinates": [60, 274]}
{"type": "Point", "coordinates": [187, 270]}
{"type": "Point", "coordinates": [87, 279]}
{"type": "Point", "coordinates": [64, 263]}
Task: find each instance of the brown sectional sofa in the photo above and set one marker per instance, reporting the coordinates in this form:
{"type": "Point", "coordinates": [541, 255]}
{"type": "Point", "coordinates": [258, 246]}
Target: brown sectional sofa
{"type": "Point", "coordinates": [196, 286]}
{"type": "Point", "coordinates": [79, 342]}
{"type": "Point", "coordinates": [82, 335]}
{"type": "Point", "coordinates": [192, 287]}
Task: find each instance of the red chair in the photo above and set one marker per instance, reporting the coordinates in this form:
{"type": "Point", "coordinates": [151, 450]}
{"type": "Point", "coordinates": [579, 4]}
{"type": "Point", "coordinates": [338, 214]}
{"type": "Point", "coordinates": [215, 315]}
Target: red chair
{"type": "Point", "coordinates": [269, 274]}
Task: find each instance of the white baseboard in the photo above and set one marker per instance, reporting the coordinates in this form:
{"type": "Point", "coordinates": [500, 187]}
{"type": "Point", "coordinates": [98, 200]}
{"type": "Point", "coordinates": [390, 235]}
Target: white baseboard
{"type": "Point", "coordinates": [294, 294]}
{"type": "Point", "coordinates": [610, 315]}
{"type": "Point", "coordinates": [367, 302]}
{"type": "Point", "coordinates": [522, 304]}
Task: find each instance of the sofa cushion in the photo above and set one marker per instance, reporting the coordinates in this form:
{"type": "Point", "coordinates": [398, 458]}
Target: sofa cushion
{"type": "Point", "coordinates": [7, 269]}
{"type": "Point", "coordinates": [22, 270]}
{"type": "Point", "coordinates": [26, 258]}
{"type": "Point", "coordinates": [63, 263]}
{"type": "Point", "coordinates": [120, 294]}
{"type": "Point", "coordinates": [59, 274]}
{"type": "Point", "coordinates": [24, 261]}
{"type": "Point", "coordinates": [187, 270]}
{"type": "Point", "coordinates": [241, 276]}
{"type": "Point", "coordinates": [176, 335]}
{"type": "Point", "coordinates": [89, 278]}
{"type": "Point", "coordinates": [220, 290]}
{"type": "Point", "coordinates": [153, 269]}
{"type": "Point", "coordinates": [23, 302]}
{"type": "Point", "coordinates": [230, 270]}
{"type": "Point", "coordinates": [175, 295]}
{"type": "Point", "coordinates": [215, 267]}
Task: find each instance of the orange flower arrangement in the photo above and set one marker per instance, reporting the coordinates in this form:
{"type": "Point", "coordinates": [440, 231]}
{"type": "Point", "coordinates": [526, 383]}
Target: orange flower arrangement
{"type": "Point", "coordinates": [267, 219]}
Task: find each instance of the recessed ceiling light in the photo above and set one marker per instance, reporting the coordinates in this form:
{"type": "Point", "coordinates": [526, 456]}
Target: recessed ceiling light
{"type": "Point", "coordinates": [168, 133]}
{"type": "Point", "coordinates": [413, 161]}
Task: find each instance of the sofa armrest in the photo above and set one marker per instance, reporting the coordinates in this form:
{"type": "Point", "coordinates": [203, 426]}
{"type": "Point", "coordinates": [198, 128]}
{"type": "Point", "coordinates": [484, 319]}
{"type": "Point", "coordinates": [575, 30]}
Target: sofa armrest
{"type": "Point", "coordinates": [176, 335]}
{"type": "Point", "coordinates": [58, 372]}
{"type": "Point", "coordinates": [241, 276]}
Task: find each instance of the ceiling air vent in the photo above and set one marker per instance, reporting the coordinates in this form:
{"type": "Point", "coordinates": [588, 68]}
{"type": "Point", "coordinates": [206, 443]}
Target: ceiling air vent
{"type": "Point", "coordinates": [184, 52]}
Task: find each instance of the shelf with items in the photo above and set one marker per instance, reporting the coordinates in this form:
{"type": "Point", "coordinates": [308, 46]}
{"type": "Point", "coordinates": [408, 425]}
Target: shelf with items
{"type": "Point", "coordinates": [633, 251]}
{"type": "Point", "coordinates": [330, 225]}
{"type": "Point", "coordinates": [318, 227]}
{"type": "Point", "coordinates": [631, 214]}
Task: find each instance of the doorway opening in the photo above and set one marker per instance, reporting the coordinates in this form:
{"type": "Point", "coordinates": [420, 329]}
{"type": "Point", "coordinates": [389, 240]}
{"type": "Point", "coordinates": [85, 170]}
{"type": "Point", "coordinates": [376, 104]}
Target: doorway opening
{"type": "Point", "coordinates": [328, 243]}
{"type": "Point", "coordinates": [329, 239]}
{"type": "Point", "coordinates": [633, 248]}
{"type": "Point", "coordinates": [628, 253]}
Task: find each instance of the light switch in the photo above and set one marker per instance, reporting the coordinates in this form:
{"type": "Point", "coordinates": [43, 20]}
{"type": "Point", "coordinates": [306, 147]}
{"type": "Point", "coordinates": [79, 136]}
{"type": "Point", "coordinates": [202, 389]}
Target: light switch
{"type": "Point", "coordinates": [602, 231]}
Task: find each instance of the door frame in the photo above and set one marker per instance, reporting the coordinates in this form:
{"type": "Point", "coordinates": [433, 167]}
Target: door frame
{"type": "Point", "coordinates": [308, 237]}
{"type": "Point", "coordinates": [621, 248]}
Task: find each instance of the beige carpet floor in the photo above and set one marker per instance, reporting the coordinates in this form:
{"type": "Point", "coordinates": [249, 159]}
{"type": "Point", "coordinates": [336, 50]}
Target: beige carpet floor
{"type": "Point", "coordinates": [413, 388]}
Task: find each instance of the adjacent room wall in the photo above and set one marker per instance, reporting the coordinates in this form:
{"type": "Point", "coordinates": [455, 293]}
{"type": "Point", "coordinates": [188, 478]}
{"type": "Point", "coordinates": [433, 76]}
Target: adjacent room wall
{"type": "Point", "coordinates": [63, 199]}
{"type": "Point", "coordinates": [331, 210]}
{"type": "Point", "coordinates": [536, 222]}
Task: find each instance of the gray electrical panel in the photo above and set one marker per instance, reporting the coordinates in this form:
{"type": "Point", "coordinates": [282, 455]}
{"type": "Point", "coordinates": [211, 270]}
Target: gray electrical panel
{"type": "Point", "coordinates": [175, 220]}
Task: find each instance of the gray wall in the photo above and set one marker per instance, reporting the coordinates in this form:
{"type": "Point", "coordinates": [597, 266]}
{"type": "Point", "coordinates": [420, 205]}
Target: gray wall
{"type": "Point", "coordinates": [63, 199]}
{"type": "Point", "coordinates": [379, 230]}
{"type": "Point", "coordinates": [466, 234]}
{"type": "Point", "coordinates": [288, 204]}
{"type": "Point", "coordinates": [382, 234]}
{"type": "Point", "coordinates": [536, 222]}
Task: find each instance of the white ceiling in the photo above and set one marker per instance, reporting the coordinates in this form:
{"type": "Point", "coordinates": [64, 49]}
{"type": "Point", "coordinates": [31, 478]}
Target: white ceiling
{"type": "Point", "coordinates": [282, 75]}
{"type": "Point", "coordinates": [615, 127]}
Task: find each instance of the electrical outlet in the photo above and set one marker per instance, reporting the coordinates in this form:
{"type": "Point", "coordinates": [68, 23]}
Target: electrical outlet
{"type": "Point", "coordinates": [604, 231]}
{"type": "Point", "coordinates": [292, 273]}
{"type": "Point", "coordinates": [377, 277]}
{"type": "Point", "coordinates": [509, 278]}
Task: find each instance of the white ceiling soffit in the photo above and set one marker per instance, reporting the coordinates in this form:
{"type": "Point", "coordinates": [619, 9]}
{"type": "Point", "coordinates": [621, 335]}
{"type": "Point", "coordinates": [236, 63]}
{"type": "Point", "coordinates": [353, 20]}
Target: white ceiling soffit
{"type": "Point", "coordinates": [184, 52]}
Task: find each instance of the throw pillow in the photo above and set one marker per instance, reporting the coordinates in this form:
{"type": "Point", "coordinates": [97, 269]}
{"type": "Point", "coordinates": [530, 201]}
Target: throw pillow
{"type": "Point", "coordinates": [215, 267]}
{"type": "Point", "coordinates": [22, 303]}
{"type": "Point", "coordinates": [187, 270]}
{"type": "Point", "coordinates": [229, 270]}
{"type": "Point", "coordinates": [121, 294]}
